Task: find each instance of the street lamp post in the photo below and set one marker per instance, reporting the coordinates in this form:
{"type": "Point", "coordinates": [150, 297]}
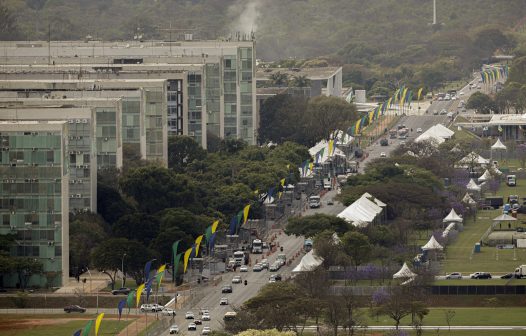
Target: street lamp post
{"type": "Point", "coordinates": [91, 290]}
{"type": "Point", "coordinates": [122, 269]}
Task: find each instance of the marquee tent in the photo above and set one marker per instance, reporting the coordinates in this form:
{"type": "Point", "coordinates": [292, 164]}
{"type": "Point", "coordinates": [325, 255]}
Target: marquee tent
{"type": "Point", "coordinates": [472, 186]}
{"type": "Point", "coordinates": [362, 212]}
{"type": "Point", "coordinates": [432, 244]}
{"type": "Point", "coordinates": [308, 263]}
{"type": "Point", "coordinates": [499, 145]}
{"type": "Point", "coordinates": [404, 272]}
{"type": "Point", "coordinates": [485, 177]}
{"type": "Point", "coordinates": [452, 217]}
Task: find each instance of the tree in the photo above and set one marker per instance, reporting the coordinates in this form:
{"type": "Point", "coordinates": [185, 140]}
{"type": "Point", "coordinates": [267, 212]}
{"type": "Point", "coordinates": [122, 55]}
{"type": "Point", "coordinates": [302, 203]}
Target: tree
{"type": "Point", "coordinates": [25, 268]}
{"type": "Point", "coordinates": [268, 332]}
{"type": "Point", "coordinates": [156, 188]}
{"type": "Point", "coordinates": [138, 226]}
{"type": "Point", "coordinates": [108, 257]}
{"type": "Point", "coordinates": [86, 231]}
{"type": "Point", "coordinates": [481, 102]}
{"type": "Point", "coordinates": [334, 312]}
{"type": "Point", "coordinates": [8, 24]}
{"type": "Point", "coordinates": [300, 81]}
{"type": "Point", "coordinates": [182, 151]}
{"type": "Point", "coordinates": [357, 246]}
{"type": "Point", "coordinates": [110, 204]}
{"type": "Point", "coordinates": [279, 79]}
{"type": "Point", "coordinates": [327, 114]}
{"type": "Point", "coordinates": [309, 226]}
{"type": "Point", "coordinates": [399, 304]}
{"type": "Point", "coordinates": [329, 249]}
{"type": "Point", "coordinates": [449, 314]}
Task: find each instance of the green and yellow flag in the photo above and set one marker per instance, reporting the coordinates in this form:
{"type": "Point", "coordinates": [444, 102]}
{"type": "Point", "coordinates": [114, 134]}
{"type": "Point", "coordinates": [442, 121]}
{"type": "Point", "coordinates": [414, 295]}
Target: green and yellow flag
{"type": "Point", "coordinates": [282, 182]}
{"type": "Point", "coordinates": [98, 322]}
{"type": "Point", "coordinates": [246, 210]}
{"type": "Point", "coordinates": [419, 93]}
{"type": "Point", "coordinates": [159, 275]}
{"type": "Point", "coordinates": [87, 328]}
{"type": "Point", "coordinates": [197, 244]}
{"type": "Point", "coordinates": [185, 259]}
{"type": "Point", "coordinates": [214, 225]}
{"type": "Point", "coordinates": [138, 296]}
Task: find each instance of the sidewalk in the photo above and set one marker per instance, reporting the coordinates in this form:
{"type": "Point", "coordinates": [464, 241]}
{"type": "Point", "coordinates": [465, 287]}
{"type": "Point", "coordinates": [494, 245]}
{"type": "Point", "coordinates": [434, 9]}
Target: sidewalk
{"type": "Point", "coordinates": [137, 326]}
{"type": "Point", "coordinates": [94, 283]}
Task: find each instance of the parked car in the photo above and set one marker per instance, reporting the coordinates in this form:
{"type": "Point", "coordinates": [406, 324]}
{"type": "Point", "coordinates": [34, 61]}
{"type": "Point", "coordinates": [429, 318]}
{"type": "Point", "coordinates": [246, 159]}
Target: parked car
{"type": "Point", "coordinates": [168, 312]}
{"type": "Point", "coordinates": [382, 155]}
{"type": "Point", "coordinates": [192, 327]}
{"type": "Point", "coordinates": [189, 315]}
{"type": "Point", "coordinates": [206, 331]}
{"type": "Point", "coordinates": [74, 309]}
{"type": "Point", "coordinates": [454, 275]}
{"type": "Point", "coordinates": [174, 329]}
{"type": "Point", "coordinates": [236, 279]}
{"type": "Point", "coordinates": [122, 290]}
{"type": "Point", "coordinates": [264, 264]}
{"type": "Point", "coordinates": [226, 289]}
{"type": "Point", "coordinates": [480, 275]}
{"type": "Point", "coordinates": [223, 302]}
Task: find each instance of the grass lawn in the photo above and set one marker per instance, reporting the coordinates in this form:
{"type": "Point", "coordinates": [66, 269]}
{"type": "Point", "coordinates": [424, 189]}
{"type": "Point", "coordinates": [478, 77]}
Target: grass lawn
{"type": "Point", "coordinates": [464, 317]}
{"type": "Point", "coordinates": [14, 325]}
{"type": "Point", "coordinates": [463, 134]}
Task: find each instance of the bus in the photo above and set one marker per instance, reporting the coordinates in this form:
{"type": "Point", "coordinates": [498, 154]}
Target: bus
{"type": "Point", "coordinates": [229, 316]}
{"type": "Point", "coordinates": [257, 246]}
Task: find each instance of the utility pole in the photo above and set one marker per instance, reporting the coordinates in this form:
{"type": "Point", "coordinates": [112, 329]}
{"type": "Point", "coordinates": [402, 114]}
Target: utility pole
{"type": "Point", "coordinates": [434, 12]}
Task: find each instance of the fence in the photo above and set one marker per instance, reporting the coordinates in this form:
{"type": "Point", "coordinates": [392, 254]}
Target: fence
{"type": "Point", "coordinates": [478, 290]}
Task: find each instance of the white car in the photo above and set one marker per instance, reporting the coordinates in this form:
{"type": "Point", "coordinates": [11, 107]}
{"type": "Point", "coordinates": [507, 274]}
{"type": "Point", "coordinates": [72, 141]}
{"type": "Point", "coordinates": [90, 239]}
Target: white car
{"type": "Point", "coordinates": [257, 268]}
{"type": "Point", "coordinates": [382, 155]}
{"type": "Point", "coordinates": [243, 268]}
{"type": "Point", "coordinates": [189, 315]}
{"type": "Point", "coordinates": [264, 263]}
{"type": "Point", "coordinates": [151, 308]}
{"type": "Point", "coordinates": [454, 275]}
{"type": "Point", "coordinates": [168, 312]}
{"type": "Point", "coordinates": [418, 130]}
{"type": "Point", "coordinates": [206, 317]}
{"type": "Point", "coordinates": [192, 326]}
{"type": "Point", "coordinates": [223, 302]}
{"type": "Point", "coordinates": [236, 279]}
{"type": "Point", "coordinates": [206, 331]}
{"type": "Point", "coordinates": [174, 329]}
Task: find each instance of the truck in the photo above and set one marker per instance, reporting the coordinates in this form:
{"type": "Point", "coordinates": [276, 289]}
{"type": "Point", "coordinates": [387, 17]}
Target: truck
{"type": "Point", "coordinates": [307, 245]}
{"type": "Point", "coordinates": [282, 258]}
{"type": "Point", "coordinates": [520, 272]}
{"type": "Point", "coordinates": [239, 257]}
{"type": "Point", "coordinates": [327, 183]}
{"type": "Point", "coordinates": [511, 180]}
{"type": "Point", "coordinates": [314, 201]}
{"type": "Point", "coordinates": [257, 246]}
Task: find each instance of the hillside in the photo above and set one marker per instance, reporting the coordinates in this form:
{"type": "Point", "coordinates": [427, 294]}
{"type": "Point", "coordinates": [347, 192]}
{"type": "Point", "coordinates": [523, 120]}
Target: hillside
{"type": "Point", "coordinates": [377, 34]}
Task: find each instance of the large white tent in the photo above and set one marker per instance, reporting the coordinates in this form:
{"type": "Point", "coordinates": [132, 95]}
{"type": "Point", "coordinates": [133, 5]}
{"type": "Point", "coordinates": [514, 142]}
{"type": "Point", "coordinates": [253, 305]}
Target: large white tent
{"type": "Point", "coordinates": [362, 212]}
{"type": "Point", "coordinates": [485, 177]}
{"type": "Point", "coordinates": [472, 159]}
{"type": "Point", "coordinates": [452, 217]}
{"type": "Point", "coordinates": [432, 244]}
{"type": "Point", "coordinates": [499, 145]}
{"type": "Point", "coordinates": [436, 134]}
{"type": "Point", "coordinates": [468, 199]}
{"type": "Point", "coordinates": [404, 272]}
{"type": "Point", "coordinates": [308, 263]}
{"type": "Point", "coordinates": [472, 186]}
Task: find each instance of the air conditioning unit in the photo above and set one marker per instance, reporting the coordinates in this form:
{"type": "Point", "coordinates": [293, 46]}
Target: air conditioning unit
{"type": "Point", "coordinates": [27, 223]}
{"type": "Point", "coordinates": [86, 209]}
{"type": "Point", "coordinates": [86, 166]}
{"type": "Point", "coordinates": [71, 152]}
{"type": "Point", "coordinates": [72, 196]}
{"type": "Point", "coordinates": [77, 121]}
{"type": "Point", "coordinates": [84, 121]}
{"type": "Point", "coordinates": [106, 139]}
{"type": "Point", "coordinates": [78, 195]}
{"type": "Point", "coordinates": [71, 121]}
{"type": "Point", "coordinates": [78, 152]}
{"type": "Point", "coordinates": [34, 149]}
{"type": "Point", "coordinates": [80, 181]}
{"type": "Point", "coordinates": [13, 227]}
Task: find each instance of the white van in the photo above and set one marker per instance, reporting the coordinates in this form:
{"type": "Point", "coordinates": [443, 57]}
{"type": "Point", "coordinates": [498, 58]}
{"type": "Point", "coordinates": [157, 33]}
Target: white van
{"type": "Point", "coordinates": [511, 180]}
{"type": "Point", "coordinates": [314, 201]}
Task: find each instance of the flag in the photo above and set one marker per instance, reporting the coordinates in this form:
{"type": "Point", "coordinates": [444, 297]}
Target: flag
{"type": "Point", "coordinates": [390, 102]}
{"type": "Point", "coordinates": [177, 260]}
{"type": "Point", "coordinates": [409, 97]}
{"type": "Point", "coordinates": [282, 182]}
{"type": "Point", "coordinates": [256, 192]}
{"type": "Point", "coordinates": [212, 241]}
{"type": "Point", "coordinates": [247, 208]}
{"type": "Point", "coordinates": [371, 115]}
{"type": "Point", "coordinates": [419, 93]}
{"type": "Point", "coordinates": [311, 166]}
{"type": "Point", "coordinates": [357, 126]}
{"type": "Point", "coordinates": [160, 274]}
{"type": "Point", "coordinates": [331, 144]}
{"type": "Point", "coordinates": [147, 267]}
{"type": "Point", "coordinates": [239, 216]}
{"type": "Point", "coordinates": [120, 307]}
{"type": "Point", "coordinates": [149, 288]}
{"type": "Point", "coordinates": [77, 333]}
{"type": "Point", "coordinates": [288, 166]}
{"type": "Point", "coordinates": [175, 246]}
{"type": "Point", "coordinates": [322, 151]}
{"type": "Point", "coordinates": [139, 293]}
{"type": "Point", "coordinates": [185, 259]}
{"type": "Point", "coordinates": [214, 226]}
{"type": "Point", "coordinates": [197, 244]}
{"type": "Point", "coordinates": [279, 194]}
{"type": "Point", "coordinates": [87, 328]}
{"type": "Point", "coordinates": [208, 233]}
{"type": "Point", "coordinates": [97, 323]}
{"type": "Point", "coordinates": [129, 299]}
{"type": "Point", "coordinates": [270, 192]}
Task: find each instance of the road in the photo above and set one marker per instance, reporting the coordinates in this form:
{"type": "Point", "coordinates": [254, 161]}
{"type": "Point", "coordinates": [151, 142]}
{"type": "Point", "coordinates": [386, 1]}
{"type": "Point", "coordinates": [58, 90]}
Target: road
{"type": "Point", "coordinates": [255, 280]}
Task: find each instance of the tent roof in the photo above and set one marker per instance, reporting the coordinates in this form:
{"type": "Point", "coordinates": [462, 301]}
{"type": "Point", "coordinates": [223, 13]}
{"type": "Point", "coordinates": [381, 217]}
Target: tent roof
{"type": "Point", "coordinates": [474, 158]}
{"type": "Point", "coordinates": [452, 217]}
{"type": "Point", "coordinates": [438, 133]}
{"type": "Point", "coordinates": [308, 263]}
{"type": "Point", "coordinates": [404, 272]}
{"type": "Point", "coordinates": [497, 171]}
{"type": "Point", "coordinates": [504, 217]}
{"type": "Point", "coordinates": [362, 212]}
{"type": "Point", "coordinates": [472, 185]}
{"type": "Point", "coordinates": [375, 200]}
{"type": "Point", "coordinates": [499, 145]}
{"type": "Point", "coordinates": [432, 244]}
{"type": "Point", "coordinates": [486, 176]}
{"type": "Point", "coordinates": [468, 199]}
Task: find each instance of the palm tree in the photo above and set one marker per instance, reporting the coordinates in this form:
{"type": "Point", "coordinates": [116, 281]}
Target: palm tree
{"type": "Point", "coordinates": [301, 81]}
{"type": "Point", "coordinates": [279, 79]}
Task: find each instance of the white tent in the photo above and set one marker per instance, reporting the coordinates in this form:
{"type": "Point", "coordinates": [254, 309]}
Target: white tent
{"type": "Point", "coordinates": [375, 200]}
{"type": "Point", "coordinates": [468, 199]}
{"type": "Point", "coordinates": [362, 212]}
{"type": "Point", "coordinates": [448, 229]}
{"type": "Point", "coordinates": [437, 134]}
{"type": "Point", "coordinates": [432, 244]}
{"type": "Point", "coordinates": [499, 145]}
{"type": "Point", "coordinates": [472, 158]}
{"type": "Point", "coordinates": [308, 263]}
{"type": "Point", "coordinates": [452, 217]}
{"type": "Point", "coordinates": [485, 177]}
{"type": "Point", "coordinates": [472, 186]}
{"type": "Point", "coordinates": [404, 272]}
{"type": "Point", "coordinates": [504, 217]}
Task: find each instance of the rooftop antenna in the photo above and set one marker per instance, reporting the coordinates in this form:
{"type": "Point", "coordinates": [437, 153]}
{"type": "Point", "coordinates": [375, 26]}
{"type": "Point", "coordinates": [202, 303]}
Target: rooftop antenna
{"type": "Point", "coordinates": [434, 12]}
{"type": "Point", "coordinates": [49, 43]}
